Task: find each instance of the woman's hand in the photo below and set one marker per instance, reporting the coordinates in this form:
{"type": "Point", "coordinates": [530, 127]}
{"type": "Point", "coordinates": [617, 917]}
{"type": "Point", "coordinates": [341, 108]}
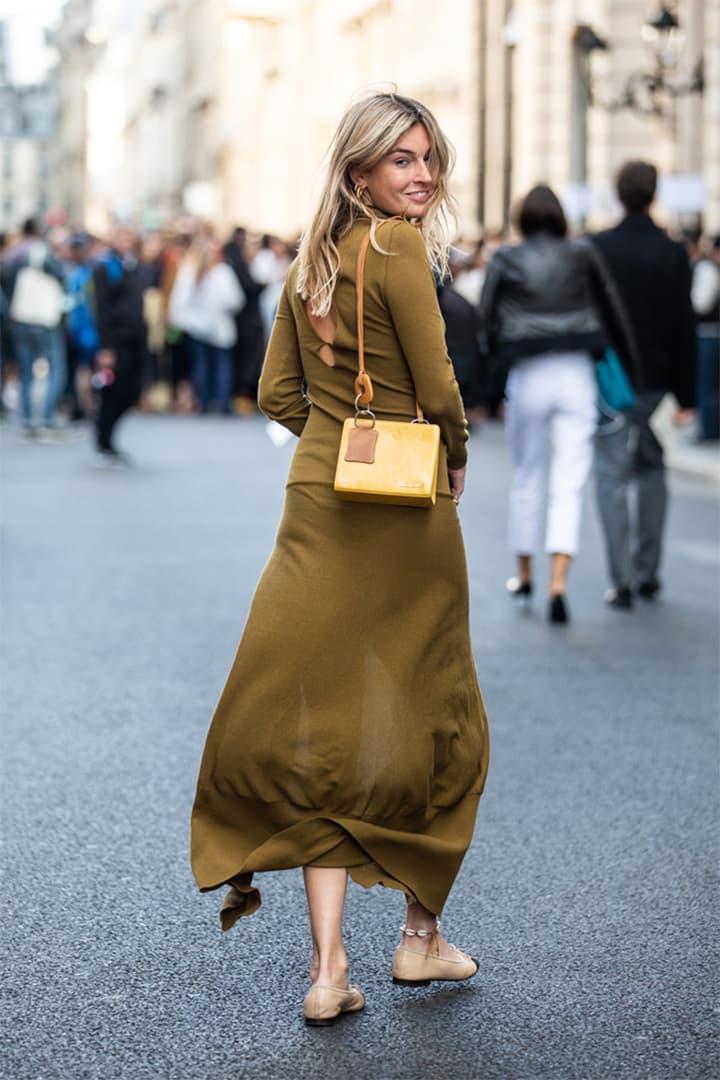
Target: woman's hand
{"type": "Point", "coordinates": [682, 417]}
{"type": "Point", "coordinates": [105, 359]}
{"type": "Point", "coordinates": [457, 482]}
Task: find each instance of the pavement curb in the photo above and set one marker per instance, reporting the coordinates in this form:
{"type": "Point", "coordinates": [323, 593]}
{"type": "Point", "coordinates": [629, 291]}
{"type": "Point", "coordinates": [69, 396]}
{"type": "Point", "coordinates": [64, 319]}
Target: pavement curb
{"type": "Point", "coordinates": [702, 462]}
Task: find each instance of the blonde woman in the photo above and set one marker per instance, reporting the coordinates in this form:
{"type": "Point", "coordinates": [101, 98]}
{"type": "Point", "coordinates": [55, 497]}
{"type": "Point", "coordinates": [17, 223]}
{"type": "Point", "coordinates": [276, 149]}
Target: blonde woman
{"type": "Point", "coordinates": [351, 737]}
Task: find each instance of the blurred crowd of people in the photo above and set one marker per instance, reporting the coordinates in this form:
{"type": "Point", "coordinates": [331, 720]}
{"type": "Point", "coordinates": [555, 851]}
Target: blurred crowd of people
{"type": "Point", "coordinates": [177, 319]}
{"type": "Point", "coordinates": [168, 320]}
{"type": "Point", "coordinates": [198, 333]}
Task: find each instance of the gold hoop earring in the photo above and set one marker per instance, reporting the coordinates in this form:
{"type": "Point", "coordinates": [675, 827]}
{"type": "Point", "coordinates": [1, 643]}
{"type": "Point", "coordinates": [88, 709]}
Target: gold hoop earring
{"type": "Point", "coordinates": [359, 192]}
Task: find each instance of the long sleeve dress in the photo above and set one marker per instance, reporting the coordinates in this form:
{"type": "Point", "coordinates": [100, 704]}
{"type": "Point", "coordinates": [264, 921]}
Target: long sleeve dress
{"type": "Point", "coordinates": [351, 731]}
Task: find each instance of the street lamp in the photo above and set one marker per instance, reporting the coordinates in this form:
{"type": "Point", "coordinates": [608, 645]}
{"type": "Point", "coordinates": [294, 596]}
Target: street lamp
{"type": "Point", "coordinates": [650, 93]}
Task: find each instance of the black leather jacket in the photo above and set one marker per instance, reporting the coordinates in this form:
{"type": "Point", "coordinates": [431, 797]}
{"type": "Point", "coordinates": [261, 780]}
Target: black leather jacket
{"type": "Point", "coordinates": [549, 294]}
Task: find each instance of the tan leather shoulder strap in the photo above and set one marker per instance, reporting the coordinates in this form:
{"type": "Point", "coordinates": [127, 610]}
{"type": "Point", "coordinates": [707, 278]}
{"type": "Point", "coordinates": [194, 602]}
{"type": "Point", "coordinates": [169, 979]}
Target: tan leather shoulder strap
{"type": "Point", "coordinates": [363, 384]}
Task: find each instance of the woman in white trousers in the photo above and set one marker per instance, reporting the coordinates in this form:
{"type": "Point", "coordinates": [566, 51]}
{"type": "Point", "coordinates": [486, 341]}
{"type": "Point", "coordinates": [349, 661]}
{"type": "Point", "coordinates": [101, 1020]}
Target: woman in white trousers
{"type": "Point", "coordinates": [551, 419]}
{"type": "Point", "coordinates": [548, 308]}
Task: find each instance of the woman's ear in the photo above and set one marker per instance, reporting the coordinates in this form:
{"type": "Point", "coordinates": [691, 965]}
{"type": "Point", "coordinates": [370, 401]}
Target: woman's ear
{"type": "Point", "coordinates": [355, 176]}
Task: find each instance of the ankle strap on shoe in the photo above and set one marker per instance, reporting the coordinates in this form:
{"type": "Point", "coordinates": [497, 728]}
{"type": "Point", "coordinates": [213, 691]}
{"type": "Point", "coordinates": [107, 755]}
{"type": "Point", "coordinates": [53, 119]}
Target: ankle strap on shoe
{"type": "Point", "coordinates": [409, 932]}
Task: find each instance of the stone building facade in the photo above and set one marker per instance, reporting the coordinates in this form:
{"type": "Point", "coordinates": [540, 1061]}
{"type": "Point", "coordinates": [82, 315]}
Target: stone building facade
{"type": "Point", "coordinates": [226, 108]}
{"type": "Point", "coordinates": [76, 55]}
{"type": "Point", "coordinates": [27, 132]}
{"type": "Point", "coordinates": [561, 107]}
{"type": "Point", "coordinates": [293, 76]}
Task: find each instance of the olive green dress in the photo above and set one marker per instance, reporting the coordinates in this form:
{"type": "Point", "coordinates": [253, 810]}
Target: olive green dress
{"type": "Point", "coordinates": [351, 731]}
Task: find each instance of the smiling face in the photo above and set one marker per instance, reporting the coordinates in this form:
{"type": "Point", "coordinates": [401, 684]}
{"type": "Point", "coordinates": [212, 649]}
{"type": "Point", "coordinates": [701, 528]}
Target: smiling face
{"type": "Point", "coordinates": [402, 181]}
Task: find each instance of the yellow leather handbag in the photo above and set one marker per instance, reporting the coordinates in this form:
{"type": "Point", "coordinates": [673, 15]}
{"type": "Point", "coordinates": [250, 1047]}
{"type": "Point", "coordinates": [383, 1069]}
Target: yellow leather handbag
{"type": "Point", "coordinates": [384, 461]}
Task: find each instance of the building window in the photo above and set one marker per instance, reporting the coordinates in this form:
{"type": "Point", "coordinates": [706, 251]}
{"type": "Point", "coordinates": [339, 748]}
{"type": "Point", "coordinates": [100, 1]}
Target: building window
{"type": "Point", "coordinates": [7, 162]}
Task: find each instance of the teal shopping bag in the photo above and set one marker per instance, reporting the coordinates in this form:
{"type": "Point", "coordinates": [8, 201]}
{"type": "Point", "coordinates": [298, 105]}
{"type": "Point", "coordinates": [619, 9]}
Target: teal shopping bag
{"type": "Point", "coordinates": [614, 386]}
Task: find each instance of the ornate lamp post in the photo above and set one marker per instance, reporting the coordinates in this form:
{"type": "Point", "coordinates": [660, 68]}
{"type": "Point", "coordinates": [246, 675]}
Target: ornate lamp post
{"type": "Point", "coordinates": [653, 92]}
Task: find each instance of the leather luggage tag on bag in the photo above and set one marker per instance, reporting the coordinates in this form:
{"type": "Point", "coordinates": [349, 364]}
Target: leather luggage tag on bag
{"type": "Point", "coordinates": [361, 445]}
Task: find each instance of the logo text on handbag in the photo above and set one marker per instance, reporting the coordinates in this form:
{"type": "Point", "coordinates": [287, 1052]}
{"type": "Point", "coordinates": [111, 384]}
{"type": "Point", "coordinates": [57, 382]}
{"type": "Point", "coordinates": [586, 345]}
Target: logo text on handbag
{"type": "Point", "coordinates": [410, 483]}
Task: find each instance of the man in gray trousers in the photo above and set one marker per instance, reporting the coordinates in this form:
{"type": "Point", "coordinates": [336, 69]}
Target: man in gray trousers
{"type": "Point", "coordinates": [652, 274]}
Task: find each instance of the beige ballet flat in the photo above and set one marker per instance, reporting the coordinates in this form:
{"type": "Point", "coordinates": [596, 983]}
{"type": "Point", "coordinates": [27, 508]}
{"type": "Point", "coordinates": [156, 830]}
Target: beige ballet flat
{"type": "Point", "coordinates": [324, 1005]}
{"type": "Point", "coordinates": [411, 968]}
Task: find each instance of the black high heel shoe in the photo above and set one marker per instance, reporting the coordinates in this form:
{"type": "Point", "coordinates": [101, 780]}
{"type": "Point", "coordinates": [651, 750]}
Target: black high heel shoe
{"type": "Point", "coordinates": [516, 587]}
{"type": "Point", "coordinates": [557, 609]}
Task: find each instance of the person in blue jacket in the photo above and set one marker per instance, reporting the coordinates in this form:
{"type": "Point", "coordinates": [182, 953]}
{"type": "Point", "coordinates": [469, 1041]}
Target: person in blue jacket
{"type": "Point", "coordinates": [80, 326]}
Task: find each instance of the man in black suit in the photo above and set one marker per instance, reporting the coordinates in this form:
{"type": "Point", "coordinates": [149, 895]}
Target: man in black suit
{"type": "Point", "coordinates": [652, 274]}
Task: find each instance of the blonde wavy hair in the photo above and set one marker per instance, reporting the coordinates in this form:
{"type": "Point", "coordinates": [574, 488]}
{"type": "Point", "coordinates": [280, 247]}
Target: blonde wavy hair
{"type": "Point", "coordinates": [368, 131]}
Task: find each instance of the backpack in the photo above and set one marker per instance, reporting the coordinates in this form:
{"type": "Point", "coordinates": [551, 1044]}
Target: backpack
{"type": "Point", "coordinates": [38, 298]}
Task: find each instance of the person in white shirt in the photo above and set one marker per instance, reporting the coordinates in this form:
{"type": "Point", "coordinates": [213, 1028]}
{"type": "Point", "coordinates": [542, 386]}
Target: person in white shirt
{"type": "Point", "coordinates": [269, 268]}
{"type": "Point", "coordinates": [468, 270]}
{"type": "Point", "coordinates": [34, 286]}
{"type": "Point", "coordinates": [705, 298]}
{"type": "Point", "coordinates": [205, 298]}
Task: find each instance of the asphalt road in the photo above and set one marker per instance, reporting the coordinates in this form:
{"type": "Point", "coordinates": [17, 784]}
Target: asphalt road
{"type": "Point", "coordinates": [590, 891]}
